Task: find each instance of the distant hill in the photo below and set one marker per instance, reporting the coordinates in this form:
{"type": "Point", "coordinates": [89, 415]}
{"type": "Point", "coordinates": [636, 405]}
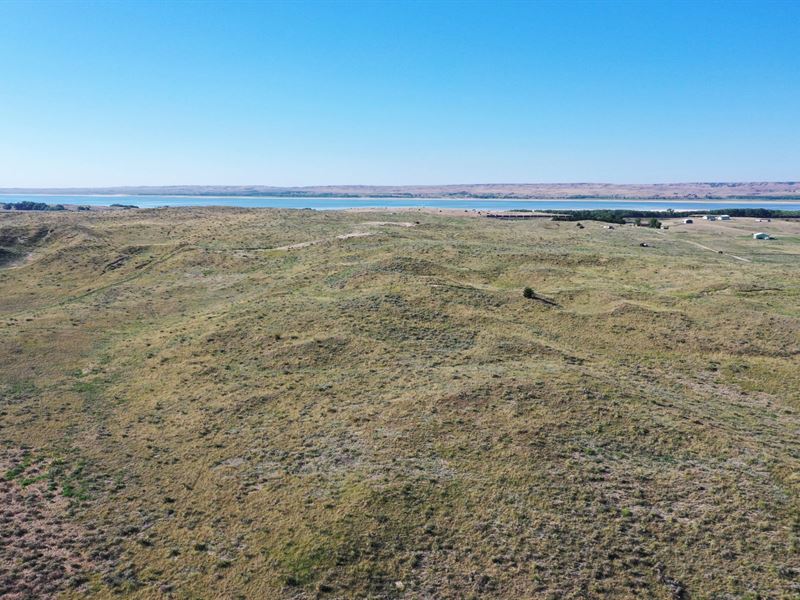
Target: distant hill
{"type": "Point", "coordinates": [789, 190]}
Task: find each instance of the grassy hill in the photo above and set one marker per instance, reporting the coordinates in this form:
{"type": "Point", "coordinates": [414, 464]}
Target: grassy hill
{"type": "Point", "coordinates": [234, 403]}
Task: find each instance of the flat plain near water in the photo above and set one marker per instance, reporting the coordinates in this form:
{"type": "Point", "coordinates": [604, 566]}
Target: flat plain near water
{"type": "Point", "coordinates": [241, 403]}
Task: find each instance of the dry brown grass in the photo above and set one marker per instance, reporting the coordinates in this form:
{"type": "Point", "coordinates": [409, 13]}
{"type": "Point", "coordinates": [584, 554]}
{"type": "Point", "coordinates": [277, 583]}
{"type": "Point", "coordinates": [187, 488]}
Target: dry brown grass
{"type": "Point", "coordinates": [386, 416]}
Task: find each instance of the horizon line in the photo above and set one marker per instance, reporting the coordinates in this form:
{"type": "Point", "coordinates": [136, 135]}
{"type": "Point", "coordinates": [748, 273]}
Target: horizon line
{"type": "Point", "coordinates": [404, 185]}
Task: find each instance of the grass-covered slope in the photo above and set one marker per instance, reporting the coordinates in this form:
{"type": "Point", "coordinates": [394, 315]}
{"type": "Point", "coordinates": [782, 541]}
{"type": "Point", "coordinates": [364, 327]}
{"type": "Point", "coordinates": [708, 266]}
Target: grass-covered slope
{"type": "Point", "coordinates": [197, 404]}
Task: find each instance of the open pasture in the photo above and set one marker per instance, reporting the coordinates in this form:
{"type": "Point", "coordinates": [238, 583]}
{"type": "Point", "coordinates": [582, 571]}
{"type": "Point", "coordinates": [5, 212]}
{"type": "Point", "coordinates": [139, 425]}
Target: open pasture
{"type": "Point", "coordinates": [255, 404]}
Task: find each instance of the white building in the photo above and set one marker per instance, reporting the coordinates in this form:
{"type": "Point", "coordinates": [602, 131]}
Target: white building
{"type": "Point", "coordinates": [761, 236]}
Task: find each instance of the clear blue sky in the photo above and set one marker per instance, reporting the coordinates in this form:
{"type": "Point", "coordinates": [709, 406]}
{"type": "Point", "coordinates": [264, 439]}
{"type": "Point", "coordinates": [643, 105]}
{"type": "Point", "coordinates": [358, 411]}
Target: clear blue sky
{"type": "Point", "coordinates": [397, 93]}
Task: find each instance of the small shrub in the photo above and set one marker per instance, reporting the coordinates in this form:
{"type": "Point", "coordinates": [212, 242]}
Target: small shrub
{"type": "Point", "coordinates": [528, 292]}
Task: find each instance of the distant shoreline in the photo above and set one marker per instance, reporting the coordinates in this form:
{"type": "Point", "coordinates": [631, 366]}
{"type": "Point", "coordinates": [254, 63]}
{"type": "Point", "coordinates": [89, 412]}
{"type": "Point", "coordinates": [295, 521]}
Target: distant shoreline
{"type": "Point", "coordinates": [461, 206]}
{"type": "Point", "coordinates": [767, 191]}
{"type": "Point", "coordinates": [519, 199]}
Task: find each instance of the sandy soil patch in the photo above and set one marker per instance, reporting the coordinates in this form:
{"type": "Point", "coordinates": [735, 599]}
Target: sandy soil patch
{"type": "Point", "coordinates": [344, 236]}
{"type": "Point", "coordinates": [394, 223]}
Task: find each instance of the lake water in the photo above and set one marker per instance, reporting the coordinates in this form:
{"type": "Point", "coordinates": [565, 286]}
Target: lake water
{"type": "Point", "coordinates": [448, 203]}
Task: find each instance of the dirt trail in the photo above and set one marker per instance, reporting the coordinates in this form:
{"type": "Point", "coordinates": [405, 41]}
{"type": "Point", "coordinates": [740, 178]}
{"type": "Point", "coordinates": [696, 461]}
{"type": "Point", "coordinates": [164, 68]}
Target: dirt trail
{"type": "Point", "coordinates": [344, 236]}
{"type": "Point", "coordinates": [699, 245]}
{"type": "Point", "coordinates": [704, 247]}
{"type": "Point", "coordinates": [395, 223]}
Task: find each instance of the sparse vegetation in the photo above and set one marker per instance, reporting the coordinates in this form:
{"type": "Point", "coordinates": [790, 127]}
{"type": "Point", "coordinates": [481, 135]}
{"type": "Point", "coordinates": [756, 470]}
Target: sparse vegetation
{"type": "Point", "coordinates": [188, 411]}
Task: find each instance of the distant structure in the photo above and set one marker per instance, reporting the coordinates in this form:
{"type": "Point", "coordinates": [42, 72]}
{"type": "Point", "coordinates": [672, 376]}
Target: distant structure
{"type": "Point", "coordinates": [688, 221]}
{"type": "Point", "coordinates": [761, 236]}
{"type": "Point", "coordinates": [724, 218]}
{"type": "Point", "coordinates": [709, 217]}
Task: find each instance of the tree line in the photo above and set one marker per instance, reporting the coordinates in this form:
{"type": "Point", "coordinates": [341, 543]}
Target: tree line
{"type": "Point", "coordinates": [29, 205]}
{"type": "Point", "coordinates": [622, 216]}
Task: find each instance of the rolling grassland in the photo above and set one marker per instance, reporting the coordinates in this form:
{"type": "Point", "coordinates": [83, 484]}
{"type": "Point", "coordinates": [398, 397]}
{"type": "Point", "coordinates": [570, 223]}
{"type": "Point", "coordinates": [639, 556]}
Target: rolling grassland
{"type": "Point", "coordinates": [231, 403]}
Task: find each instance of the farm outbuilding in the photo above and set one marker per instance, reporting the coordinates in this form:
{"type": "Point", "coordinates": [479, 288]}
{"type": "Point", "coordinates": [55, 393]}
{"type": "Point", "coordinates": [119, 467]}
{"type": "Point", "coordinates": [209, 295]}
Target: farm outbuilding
{"type": "Point", "coordinates": [761, 236]}
{"type": "Point", "coordinates": [688, 221]}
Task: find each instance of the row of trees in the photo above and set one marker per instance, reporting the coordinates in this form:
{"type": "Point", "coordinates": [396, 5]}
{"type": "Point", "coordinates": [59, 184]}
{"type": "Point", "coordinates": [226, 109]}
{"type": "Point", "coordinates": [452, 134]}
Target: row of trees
{"type": "Point", "coordinates": [28, 205]}
{"type": "Point", "coordinates": [621, 216]}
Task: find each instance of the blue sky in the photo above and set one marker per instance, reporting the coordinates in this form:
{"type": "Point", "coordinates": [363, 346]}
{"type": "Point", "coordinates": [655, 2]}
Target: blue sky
{"type": "Point", "coordinates": [154, 93]}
